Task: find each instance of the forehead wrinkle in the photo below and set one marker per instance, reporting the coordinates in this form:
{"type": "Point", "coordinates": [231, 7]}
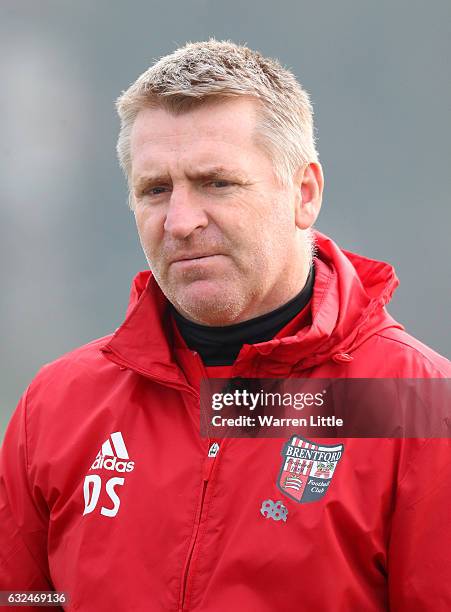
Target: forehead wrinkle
{"type": "Point", "coordinates": [211, 171]}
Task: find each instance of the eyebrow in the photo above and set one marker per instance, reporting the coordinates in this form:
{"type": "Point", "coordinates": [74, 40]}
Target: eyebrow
{"type": "Point", "coordinates": [209, 173]}
{"type": "Point", "coordinates": [146, 180]}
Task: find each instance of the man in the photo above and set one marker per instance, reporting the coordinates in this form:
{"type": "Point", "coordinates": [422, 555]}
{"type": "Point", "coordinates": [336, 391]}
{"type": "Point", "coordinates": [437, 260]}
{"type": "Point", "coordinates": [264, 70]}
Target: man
{"type": "Point", "coordinates": [109, 493]}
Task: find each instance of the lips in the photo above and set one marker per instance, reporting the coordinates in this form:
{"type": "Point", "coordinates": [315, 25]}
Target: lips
{"type": "Point", "coordinates": [192, 256]}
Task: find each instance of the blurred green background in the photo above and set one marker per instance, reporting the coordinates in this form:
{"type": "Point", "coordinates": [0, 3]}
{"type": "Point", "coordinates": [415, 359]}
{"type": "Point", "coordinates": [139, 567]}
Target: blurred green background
{"type": "Point", "coordinates": [378, 74]}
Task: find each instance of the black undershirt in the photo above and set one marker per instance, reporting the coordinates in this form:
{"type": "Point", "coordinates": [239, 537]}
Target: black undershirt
{"type": "Point", "coordinates": [221, 345]}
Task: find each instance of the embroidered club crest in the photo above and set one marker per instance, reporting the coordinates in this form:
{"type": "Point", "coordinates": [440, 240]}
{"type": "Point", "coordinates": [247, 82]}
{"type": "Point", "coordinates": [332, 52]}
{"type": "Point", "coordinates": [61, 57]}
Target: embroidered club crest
{"type": "Point", "coordinates": [307, 468]}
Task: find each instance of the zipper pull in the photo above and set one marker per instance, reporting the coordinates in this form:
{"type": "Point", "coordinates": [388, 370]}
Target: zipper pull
{"type": "Point", "coordinates": [210, 460]}
{"type": "Point", "coordinates": [213, 450]}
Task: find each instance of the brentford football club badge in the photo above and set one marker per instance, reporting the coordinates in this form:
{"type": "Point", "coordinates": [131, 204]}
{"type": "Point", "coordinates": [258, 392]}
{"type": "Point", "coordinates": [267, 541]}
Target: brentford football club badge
{"type": "Point", "coordinates": [307, 469]}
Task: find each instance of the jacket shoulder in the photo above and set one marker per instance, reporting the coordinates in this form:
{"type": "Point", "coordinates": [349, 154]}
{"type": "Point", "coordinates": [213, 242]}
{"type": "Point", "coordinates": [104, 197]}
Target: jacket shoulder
{"type": "Point", "coordinates": [410, 356]}
{"type": "Point", "coordinates": [81, 361]}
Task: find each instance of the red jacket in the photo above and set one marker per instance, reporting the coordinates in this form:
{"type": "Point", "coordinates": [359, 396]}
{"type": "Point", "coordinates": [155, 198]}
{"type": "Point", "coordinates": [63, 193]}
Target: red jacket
{"type": "Point", "coordinates": [107, 491]}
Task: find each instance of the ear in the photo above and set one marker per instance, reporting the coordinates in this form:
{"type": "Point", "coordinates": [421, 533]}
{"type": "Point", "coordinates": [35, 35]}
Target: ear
{"type": "Point", "coordinates": [309, 183]}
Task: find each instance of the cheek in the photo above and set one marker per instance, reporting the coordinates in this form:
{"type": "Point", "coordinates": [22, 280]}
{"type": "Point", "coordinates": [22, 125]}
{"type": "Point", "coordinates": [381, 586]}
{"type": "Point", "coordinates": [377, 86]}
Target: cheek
{"type": "Point", "coordinates": [283, 221]}
{"type": "Point", "coordinates": [274, 240]}
{"type": "Point", "coordinates": [254, 238]}
{"type": "Point", "coordinates": [149, 231]}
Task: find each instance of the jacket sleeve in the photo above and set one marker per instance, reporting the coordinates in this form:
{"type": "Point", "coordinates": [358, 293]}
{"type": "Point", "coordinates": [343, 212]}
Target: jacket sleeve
{"type": "Point", "coordinates": [23, 514]}
{"type": "Point", "coordinates": [419, 562]}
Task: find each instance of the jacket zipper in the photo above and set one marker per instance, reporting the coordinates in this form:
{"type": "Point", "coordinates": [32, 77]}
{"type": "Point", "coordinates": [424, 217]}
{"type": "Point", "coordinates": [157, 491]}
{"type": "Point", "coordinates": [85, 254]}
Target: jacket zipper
{"type": "Point", "coordinates": [213, 449]}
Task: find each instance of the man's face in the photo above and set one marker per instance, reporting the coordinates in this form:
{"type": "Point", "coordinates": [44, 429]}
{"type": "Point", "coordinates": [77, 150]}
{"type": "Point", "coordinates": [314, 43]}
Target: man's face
{"type": "Point", "coordinates": [217, 228]}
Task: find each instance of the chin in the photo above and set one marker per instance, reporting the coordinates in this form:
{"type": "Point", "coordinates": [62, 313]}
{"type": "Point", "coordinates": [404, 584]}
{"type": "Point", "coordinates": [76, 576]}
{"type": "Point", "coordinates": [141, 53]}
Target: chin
{"type": "Point", "coordinates": [215, 308]}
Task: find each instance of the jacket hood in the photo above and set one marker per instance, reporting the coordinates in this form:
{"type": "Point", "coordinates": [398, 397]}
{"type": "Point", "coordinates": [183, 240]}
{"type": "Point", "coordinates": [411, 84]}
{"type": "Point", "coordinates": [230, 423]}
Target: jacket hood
{"type": "Point", "coordinates": [348, 305]}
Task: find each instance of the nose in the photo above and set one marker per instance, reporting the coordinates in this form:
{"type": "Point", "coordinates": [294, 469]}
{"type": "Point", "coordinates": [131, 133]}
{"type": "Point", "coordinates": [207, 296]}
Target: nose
{"type": "Point", "coordinates": [185, 213]}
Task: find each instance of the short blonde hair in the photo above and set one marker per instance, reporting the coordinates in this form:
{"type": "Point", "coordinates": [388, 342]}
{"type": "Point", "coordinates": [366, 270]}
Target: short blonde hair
{"type": "Point", "coordinates": [206, 71]}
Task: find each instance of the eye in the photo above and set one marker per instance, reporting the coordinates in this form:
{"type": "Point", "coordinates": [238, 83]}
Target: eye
{"type": "Point", "coordinates": [154, 191]}
{"type": "Point", "coordinates": [220, 184]}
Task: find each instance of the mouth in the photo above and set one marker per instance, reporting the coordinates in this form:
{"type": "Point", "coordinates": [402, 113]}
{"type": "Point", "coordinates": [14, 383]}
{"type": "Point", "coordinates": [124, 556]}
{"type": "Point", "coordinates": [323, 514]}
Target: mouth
{"type": "Point", "coordinates": [195, 258]}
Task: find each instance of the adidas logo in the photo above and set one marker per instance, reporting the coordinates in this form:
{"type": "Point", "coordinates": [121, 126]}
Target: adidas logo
{"type": "Point", "coordinates": [113, 455]}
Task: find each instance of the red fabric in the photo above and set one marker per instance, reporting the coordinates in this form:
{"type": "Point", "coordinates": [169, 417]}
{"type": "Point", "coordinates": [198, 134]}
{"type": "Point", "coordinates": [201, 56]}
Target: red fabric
{"type": "Point", "coordinates": [188, 532]}
{"type": "Point", "coordinates": [224, 371]}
